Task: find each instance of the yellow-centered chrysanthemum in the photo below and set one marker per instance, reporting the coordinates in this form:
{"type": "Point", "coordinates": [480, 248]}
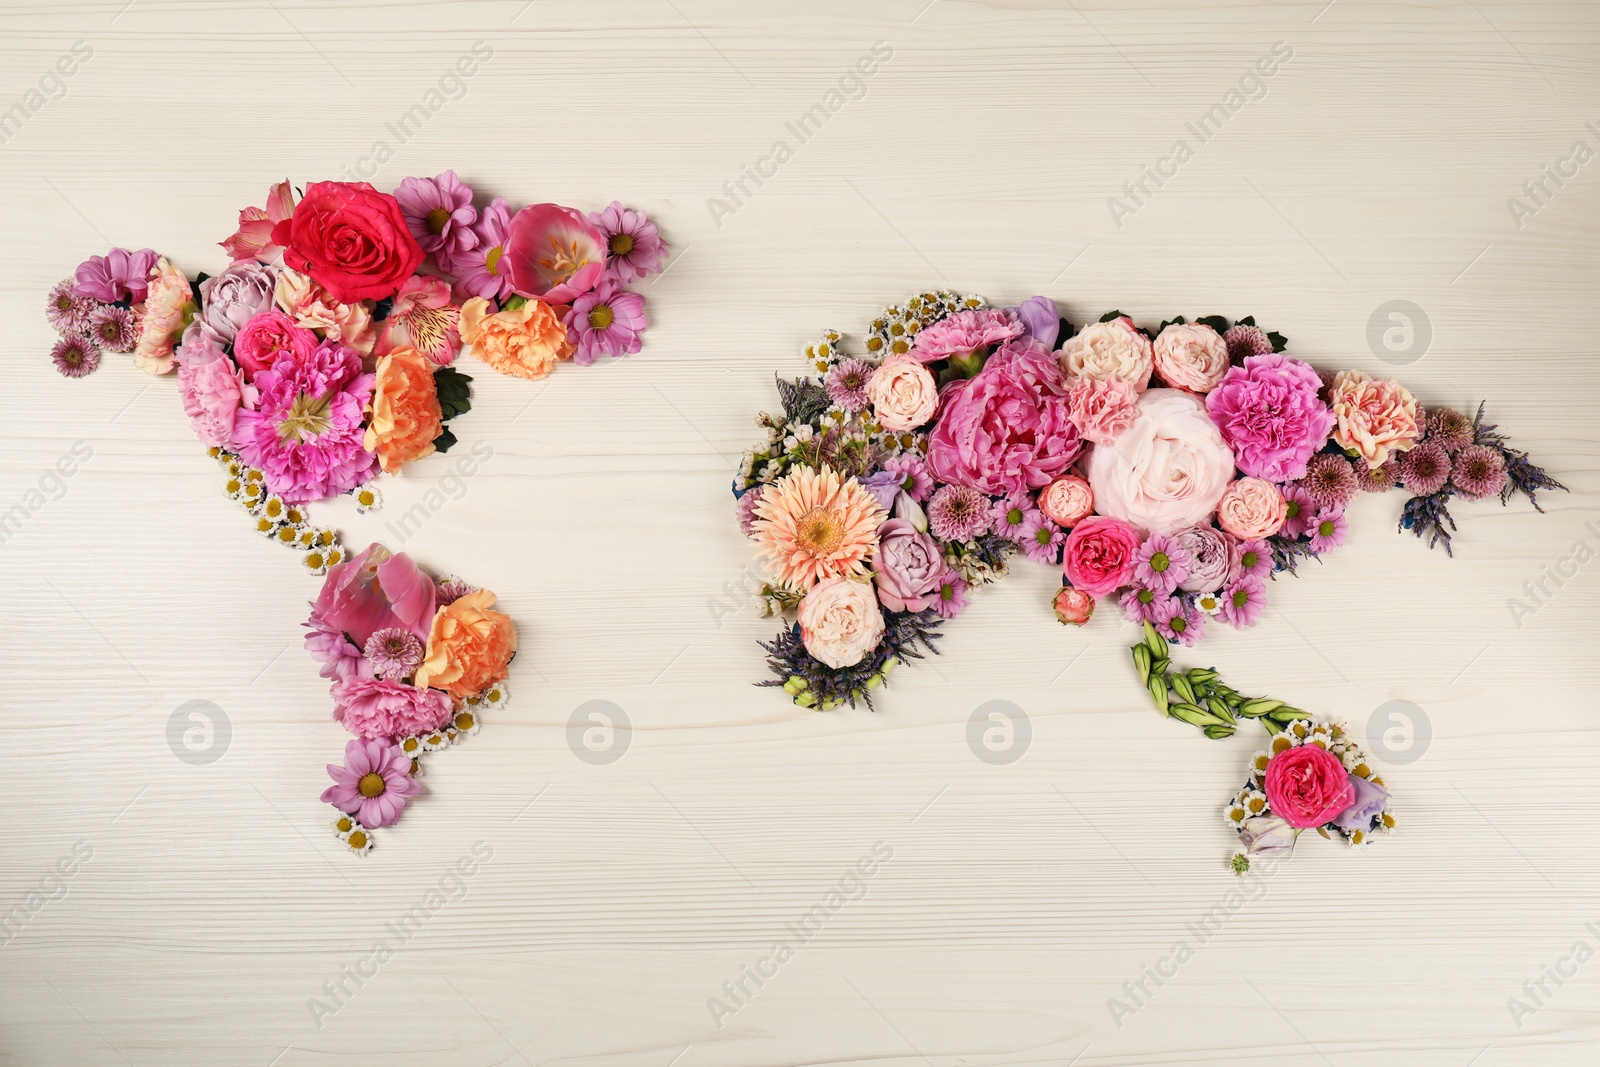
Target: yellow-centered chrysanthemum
{"type": "Point", "coordinates": [814, 524]}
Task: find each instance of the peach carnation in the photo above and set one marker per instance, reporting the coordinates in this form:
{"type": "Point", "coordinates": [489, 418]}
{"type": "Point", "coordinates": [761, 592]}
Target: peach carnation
{"type": "Point", "coordinates": [168, 308]}
{"type": "Point", "coordinates": [525, 341]}
{"type": "Point", "coordinates": [469, 646]}
{"type": "Point", "coordinates": [313, 308]}
{"type": "Point", "coordinates": [405, 416]}
{"type": "Point", "coordinates": [1374, 416]}
{"type": "Point", "coordinates": [814, 524]}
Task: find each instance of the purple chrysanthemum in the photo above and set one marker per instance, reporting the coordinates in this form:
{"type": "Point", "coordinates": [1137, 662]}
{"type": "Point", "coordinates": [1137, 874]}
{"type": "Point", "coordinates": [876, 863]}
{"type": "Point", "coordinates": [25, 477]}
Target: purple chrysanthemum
{"type": "Point", "coordinates": [1139, 604]}
{"type": "Point", "coordinates": [1301, 508]}
{"type": "Point", "coordinates": [67, 311]}
{"type": "Point", "coordinates": [958, 513]}
{"type": "Point", "coordinates": [605, 321]}
{"type": "Point", "coordinates": [451, 591]}
{"type": "Point", "coordinates": [847, 384]}
{"type": "Point", "coordinates": [1330, 481]}
{"type": "Point", "coordinates": [1242, 603]}
{"type": "Point", "coordinates": [1042, 539]}
{"type": "Point", "coordinates": [1478, 471]}
{"type": "Point", "coordinates": [1010, 515]}
{"type": "Point", "coordinates": [75, 356]}
{"type": "Point", "coordinates": [1449, 429]}
{"type": "Point", "coordinates": [915, 481]}
{"type": "Point", "coordinates": [393, 653]}
{"type": "Point", "coordinates": [1378, 479]}
{"type": "Point", "coordinates": [951, 598]}
{"type": "Point", "coordinates": [1424, 469]}
{"type": "Point", "coordinates": [633, 245]}
{"type": "Point", "coordinates": [1246, 341]}
{"type": "Point", "coordinates": [1327, 530]}
{"type": "Point", "coordinates": [1176, 620]}
{"type": "Point", "coordinates": [745, 508]}
{"type": "Point", "coordinates": [439, 213]}
{"type": "Point", "coordinates": [1251, 559]}
{"type": "Point", "coordinates": [1161, 563]}
{"type": "Point", "coordinates": [482, 271]}
{"type": "Point", "coordinates": [114, 328]}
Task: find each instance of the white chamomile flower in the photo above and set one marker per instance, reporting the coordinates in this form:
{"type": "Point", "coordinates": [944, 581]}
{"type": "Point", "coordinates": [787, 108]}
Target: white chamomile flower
{"type": "Point", "coordinates": [1255, 802]}
{"type": "Point", "coordinates": [287, 535]}
{"type": "Point", "coordinates": [305, 537]}
{"type": "Point", "coordinates": [1258, 764]}
{"type": "Point", "coordinates": [315, 561]}
{"type": "Point", "coordinates": [368, 498]}
{"type": "Point", "coordinates": [466, 722]}
{"type": "Point", "coordinates": [295, 514]}
{"type": "Point", "coordinates": [1354, 838]}
{"type": "Point", "coordinates": [434, 741]}
{"type": "Point", "coordinates": [333, 555]}
{"type": "Point", "coordinates": [359, 841]}
{"type": "Point", "coordinates": [234, 487]}
{"type": "Point", "coordinates": [253, 495]}
{"type": "Point", "coordinates": [273, 507]}
{"type": "Point", "coordinates": [1234, 814]}
{"type": "Point", "coordinates": [496, 696]}
{"type": "Point", "coordinates": [1282, 741]}
{"type": "Point", "coordinates": [412, 746]}
{"type": "Point", "coordinates": [1209, 603]}
{"type": "Point", "coordinates": [344, 825]}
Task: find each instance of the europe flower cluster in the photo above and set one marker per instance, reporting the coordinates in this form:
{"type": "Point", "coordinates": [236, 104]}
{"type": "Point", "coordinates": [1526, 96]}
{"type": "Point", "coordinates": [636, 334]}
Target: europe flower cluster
{"type": "Point", "coordinates": [1170, 471]}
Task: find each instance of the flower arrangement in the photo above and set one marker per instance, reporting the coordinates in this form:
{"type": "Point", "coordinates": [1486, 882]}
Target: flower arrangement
{"type": "Point", "coordinates": [412, 663]}
{"type": "Point", "coordinates": [324, 354]}
{"type": "Point", "coordinates": [1172, 471]}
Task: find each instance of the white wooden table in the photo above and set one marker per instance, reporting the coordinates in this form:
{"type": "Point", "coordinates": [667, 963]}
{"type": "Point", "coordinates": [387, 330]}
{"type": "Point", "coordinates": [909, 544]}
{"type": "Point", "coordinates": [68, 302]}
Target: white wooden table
{"type": "Point", "coordinates": [209, 910]}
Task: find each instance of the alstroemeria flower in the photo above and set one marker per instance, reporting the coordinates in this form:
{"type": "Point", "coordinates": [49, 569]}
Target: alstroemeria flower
{"type": "Point", "coordinates": [553, 253]}
{"type": "Point", "coordinates": [423, 318]}
{"type": "Point", "coordinates": [253, 238]}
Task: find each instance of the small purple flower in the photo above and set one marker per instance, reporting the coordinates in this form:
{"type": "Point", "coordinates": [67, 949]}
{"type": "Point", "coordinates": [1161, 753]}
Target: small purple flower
{"type": "Point", "coordinates": [915, 481]}
{"type": "Point", "coordinates": [119, 275]}
{"type": "Point", "coordinates": [1330, 481]}
{"type": "Point", "coordinates": [375, 782]}
{"type": "Point", "coordinates": [605, 321]}
{"type": "Point", "coordinates": [633, 245]}
{"type": "Point", "coordinates": [114, 328]}
{"type": "Point", "coordinates": [745, 507]}
{"type": "Point", "coordinates": [440, 215]}
{"type": "Point", "coordinates": [393, 653]}
{"type": "Point", "coordinates": [1245, 341]}
{"type": "Point", "coordinates": [1327, 530]}
{"type": "Point", "coordinates": [1010, 515]}
{"type": "Point", "coordinates": [1176, 621]}
{"type": "Point", "coordinates": [1161, 563]}
{"type": "Point", "coordinates": [1449, 429]}
{"type": "Point", "coordinates": [1251, 559]}
{"type": "Point", "coordinates": [884, 487]}
{"type": "Point", "coordinates": [481, 270]}
{"type": "Point", "coordinates": [1139, 602]}
{"type": "Point", "coordinates": [1042, 539]}
{"type": "Point", "coordinates": [950, 599]}
{"type": "Point", "coordinates": [1301, 509]}
{"type": "Point", "coordinates": [75, 356]}
{"type": "Point", "coordinates": [1378, 479]}
{"type": "Point", "coordinates": [451, 591]}
{"type": "Point", "coordinates": [1370, 800]}
{"type": "Point", "coordinates": [1478, 471]}
{"type": "Point", "coordinates": [846, 384]}
{"type": "Point", "coordinates": [1425, 468]}
{"type": "Point", "coordinates": [1242, 602]}
{"type": "Point", "coordinates": [958, 513]}
{"type": "Point", "coordinates": [67, 311]}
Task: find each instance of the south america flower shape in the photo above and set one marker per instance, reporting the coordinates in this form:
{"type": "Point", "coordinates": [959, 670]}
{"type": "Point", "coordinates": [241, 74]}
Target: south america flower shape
{"type": "Point", "coordinates": [325, 356]}
{"type": "Point", "coordinates": [1173, 471]}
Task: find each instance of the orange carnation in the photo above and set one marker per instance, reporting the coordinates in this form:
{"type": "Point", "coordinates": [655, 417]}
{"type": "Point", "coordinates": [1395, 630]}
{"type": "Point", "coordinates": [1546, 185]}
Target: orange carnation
{"type": "Point", "coordinates": [525, 340]}
{"type": "Point", "coordinates": [469, 646]}
{"type": "Point", "coordinates": [406, 416]}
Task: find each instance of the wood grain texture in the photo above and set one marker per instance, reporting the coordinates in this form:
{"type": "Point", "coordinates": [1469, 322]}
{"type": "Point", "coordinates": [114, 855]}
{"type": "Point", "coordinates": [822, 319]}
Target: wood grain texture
{"type": "Point", "coordinates": [1376, 165]}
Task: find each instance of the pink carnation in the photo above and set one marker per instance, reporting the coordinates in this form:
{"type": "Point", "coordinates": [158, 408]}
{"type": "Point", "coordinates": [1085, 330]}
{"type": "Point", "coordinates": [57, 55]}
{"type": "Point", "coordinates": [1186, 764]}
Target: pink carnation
{"type": "Point", "coordinates": [1007, 429]}
{"type": "Point", "coordinates": [965, 332]}
{"type": "Point", "coordinates": [214, 391]}
{"type": "Point", "coordinates": [376, 707]}
{"type": "Point", "coordinates": [1101, 408]}
{"type": "Point", "coordinates": [1269, 414]}
{"type": "Point", "coordinates": [1376, 416]}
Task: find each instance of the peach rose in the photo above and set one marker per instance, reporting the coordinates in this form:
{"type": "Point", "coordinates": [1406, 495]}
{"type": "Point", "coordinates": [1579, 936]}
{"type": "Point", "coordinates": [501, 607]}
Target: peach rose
{"type": "Point", "coordinates": [524, 341]}
{"type": "Point", "coordinates": [1067, 501]}
{"type": "Point", "coordinates": [469, 646]}
{"type": "Point", "coordinates": [903, 394]}
{"type": "Point", "coordinates": [1251, 509]}
{"type": "Point", "coordinates": [168, 309]}
{"type": "Point", "coordinates": [1114, 349]}
{"type": "Point", "coordinates": [405, 416]}
{"type": "Point", "coordinates": [840, 621]}
{"type": "Point", "coordinates": [1374, 416]}
{"type": "Point", "coordinates": [1191, 356]}
{"type": "Point", "coordinates": [313, 308]}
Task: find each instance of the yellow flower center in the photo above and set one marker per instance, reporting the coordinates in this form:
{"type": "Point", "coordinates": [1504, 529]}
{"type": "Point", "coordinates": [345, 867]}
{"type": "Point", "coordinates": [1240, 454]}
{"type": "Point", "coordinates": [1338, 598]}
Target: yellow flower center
{"type": "Point", "coordinates": [492, 260]}
{"type": "Point", "coordinates": [600, 317]}
{"type": "Point", "coordinates": [819, 531]}
{"type": "Point", "coordinates": [621, 244]}
{"type": "Point", "coordinates": [371, 785]}
{"type": "Point", "coordinates": [437, 219]}
{"type": "Point", "coordinates": [358, 840]}
{"type": "Point", "coordinates": [307, 418]}
{"type": "Point", "coordinates": [564, 262]}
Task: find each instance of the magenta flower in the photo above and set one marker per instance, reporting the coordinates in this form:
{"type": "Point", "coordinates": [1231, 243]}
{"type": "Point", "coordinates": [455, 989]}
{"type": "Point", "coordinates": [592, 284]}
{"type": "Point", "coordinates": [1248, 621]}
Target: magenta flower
{"type": "Point", "coordinates": [482, 270]}
{"type": "Point", "coordinates": [1009, 515]}
{"type": "Point", "coordinates": [1251, 559]}
{"type": "Point", "coordinates": [439, 213]}
{"type": "Point", "coordinates": [1161, 563]}
{"type": "Point", "coordinates": [553, 254]}
{"type": "Point", "coordinates": [1139, 603]}
{"type": "Point", "coordinates": [1327, 529]}
{"type": "Point", "coordinates": [374, 591]}
{"type": "Point", "coordinates": [1297, 520]}
{"type": "Point", "coordinates": [307, 430]}
{"type": "Point", "coordinates": [328, 645]}
{"type": "Point", "coordinates": [914, 480]}
{"type": "Point", "coordinates": [633, 245]}
{"type": "Point", "coordinates": [423, 318]}
{"type": "Point", "coordinates": [950, 599]}
{"type": "Point", "coordinates": [117, 276]}
{"type": "Point", "coordinates": [958, 337]}
{"type": "Point", "coordinates": [374, 784]}
{"type": "Point", "coordinates": [1041, 539]}
{"type": "Point", "coordinates": [69, 313]}
{"type": "Point", "coordinates": [1176, 620]}
{"type": "Point", "coordinates": [1270, 415]}
{"type": "Point", "coordinates": [1242, 602]}
{"type": "Point", "coordinates": [605, 321]}
{"type": "Point", "coordinates": [382, 707]}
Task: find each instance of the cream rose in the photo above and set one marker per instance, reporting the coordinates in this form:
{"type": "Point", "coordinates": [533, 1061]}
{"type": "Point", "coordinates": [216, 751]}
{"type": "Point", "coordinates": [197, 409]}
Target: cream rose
{"type": "Point", "coordinates": [1191, 356]}
{"type": "Point", "coordinates": [840, 621]}
{"type": "Point", "coordinates": [903, 393]}
{"type": "Point", "coordinates": [1067, 501]}
{"type": "Point", "coordinates": [1252, 509]}
{"type": "Point", "coordinates": [1165, 472]}
{"type": "Point", "coordinates": [1107, 350]}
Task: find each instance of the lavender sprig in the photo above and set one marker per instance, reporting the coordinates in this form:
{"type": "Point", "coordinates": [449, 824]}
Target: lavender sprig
{"type": "Point", "coordinates": [1428, 516]}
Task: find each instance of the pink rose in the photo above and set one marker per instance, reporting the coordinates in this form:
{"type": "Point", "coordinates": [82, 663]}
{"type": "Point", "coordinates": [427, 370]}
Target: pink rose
{"type": "Point", "coordinates": [266, 337]}
{"type": "Point", "coordinates": [1252, 509]}
{"type": "Point", "coordinates": [1210, 558]}
{"type": "Point", "coordinates": [1191, 356]}
{"type": "Point", "coordinates": [375, 707]}
{"type": "Point", "coordinates": [1307, 785]}
{"type": "Point", "coordinates": [1099, 557]}
{"type": "Point", "coordinates": [1102, 408]}
{"type": "Point", "coordinates": [903, 394]}
{"type": "Point", "coordinates": [1073, 606]}
{"type": "Point", "coordinates": [1374, 416]}
{"type": "Point", "coordinates": [352, 239]}
{"type": "Point", "coordinates": [1106, 350]}
{"type": "Point", "coordinates": [1067, 501]}
{"type": "Point", "coordinates": [840, 622]}
{"type": "Point", "coordinates": [1167, 470]}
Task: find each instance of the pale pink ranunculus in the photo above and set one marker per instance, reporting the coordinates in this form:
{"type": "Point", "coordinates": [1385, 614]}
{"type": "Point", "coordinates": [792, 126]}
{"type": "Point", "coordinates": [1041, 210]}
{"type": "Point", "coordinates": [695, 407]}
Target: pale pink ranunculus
{"type": "Point", "coordinates": [168, 306]}
{"type": "Point", "coordinates": [266, 337]}
{"type": "Point", "coordinates": [903, 394]}
{"type": "Point", "coordinates": [1252, 509]}
{"type": "Point", "coordinates": [1099, 557]}
{"type": "Point", "coordinates": [1191, 356]}
{"type": "Point", "coordinates": [1167, 470]}
{"type": "Point", "coordinates": [214, 390]}
{"type": "Point", "coordinates": [1114, 349]}
{"type": "Point", "coordinates": [1067, 501]}
{"type": "Point", "coordinates": [1374, 417]}
{"type": "Point", "coordinates": [314, 308]}
{"type": "Point", "coordinates": [1101, 408]}
{"type": "Point", "coordinates": [840, 621]}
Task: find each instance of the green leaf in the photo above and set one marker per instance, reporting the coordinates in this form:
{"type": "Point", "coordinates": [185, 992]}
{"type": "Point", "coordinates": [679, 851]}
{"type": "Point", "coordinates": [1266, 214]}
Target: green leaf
{"type": "Point", "coordinates": [1248, 320]}
{"type": "Point", "coordinates": [1216, 322]}
{"type": "Point", "coordinates": [1279, 341]}
{"type": "Point", "coordinates": [455, 396]}
{"type": "Point", "coordinates": [1177, 321]}
{"type": "Point", "coordinates": [444, 441]}
{"type": "Point", "coordinates": [1108, 316]}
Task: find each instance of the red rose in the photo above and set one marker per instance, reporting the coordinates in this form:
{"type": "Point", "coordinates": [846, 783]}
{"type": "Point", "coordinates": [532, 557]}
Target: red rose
{"type": "Point", "coordinates": [1099, 555]}
{"type": "Point", "coordinates": [1307, 786]}
{"type": "Point", "coordinates": [351, 239]}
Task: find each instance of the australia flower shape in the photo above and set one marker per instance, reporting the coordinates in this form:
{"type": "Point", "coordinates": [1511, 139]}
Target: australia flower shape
{"type": "Point", "coordinates": [816, 524]}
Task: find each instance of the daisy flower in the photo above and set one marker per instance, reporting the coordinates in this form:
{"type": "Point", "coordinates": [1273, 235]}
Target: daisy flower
{"type": "Point", "coordinates": [952, 597]}
{"type": "Point", "coordinates": [1161, 563]}
{"type": "Point", "coordinates": [1138, 602]}
{"type": "Point", "coordinates": [480, 271]}
{"type": "Point", "coordinates": [633, 245]}
{"type": "Point", "coordinates": [1301, 508]}
{"type": "Point", "coordinates": [1242, 602]}
{"type": "Point", "coordinates": [439, 213]}
{"type": "Point", "coordinates": [605, 321]}
{"type": "Point", "coordinates": [915, 480]}
{"type": "Point", "coordinates": [813, 524]}
{"type": "Point", "coordinates": [1327, 530]}
{"type": "Point", "coordinates": [374, 784]}
{"type": "Point", "coordinates": [1251, 559]}
{"type": "Point", "coordinates": [1041, 539]}
{"type": "Point", "coordinates": [1009, 516]}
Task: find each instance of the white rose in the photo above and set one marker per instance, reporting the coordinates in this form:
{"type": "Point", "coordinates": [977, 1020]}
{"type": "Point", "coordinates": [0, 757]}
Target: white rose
{"type": "Point", "coordinates": [1191, 357]}
{"type": "Point", "coordinates": [903, 394]}
{"type": "Point", "coordinates": [840, 621]}
{"type": "Point", "coordinates": [1165, 472]}
{"type": "Point", "coordinates": [1108, 350]}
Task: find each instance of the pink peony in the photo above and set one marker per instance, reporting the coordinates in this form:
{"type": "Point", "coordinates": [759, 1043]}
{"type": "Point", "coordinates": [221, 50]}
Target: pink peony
{"type": "Point", "coordinates": [1269, 414]}
{"type": "Point", "coordinates": [214, 391]}
{"type": "Point", "coordinates": [1067, 501]}
{"type": "Point", "coordinates": [423, 318]}
{"type": "Point", "coordinates": [1102, 408]}
{"type": "Point", "coordinates": [552, 253]}
{"type": "Point", "coordinates": [1307, 785]}
{"type": "Point", "coordinates": [1191, 356]}
{"type": "Point", "coordinates": [1106, 350]}
{"type": "Point", "coordinates": [960, 335]}
{"type": "Point", "coordinates": [374, 784]}
{"type": "Point", "coordinates": [1007, 429]}
{"type": "Point", "coordinates": [903, 394]}
{"type": "Point", "coordinates": [268, 336]}
{"type": "Point", "coordinates": [373, 591]}
{"type": "Point", "coordinates": [1167, 470]}
{"type": "Point", "coordinates": [840, 621]}
{"type": "Point", "coordinates": [1252, 509]}
{"type": "Point", "coordinates": [1100, 555]}
{"type": "Point", "coordinates": [376, 707]}
{"type": "Point", "coordinates": [1375, 416]}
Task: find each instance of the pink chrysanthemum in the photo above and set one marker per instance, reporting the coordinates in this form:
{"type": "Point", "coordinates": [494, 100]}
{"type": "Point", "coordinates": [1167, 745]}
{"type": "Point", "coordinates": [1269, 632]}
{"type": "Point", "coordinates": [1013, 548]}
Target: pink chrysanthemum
{"type": "Point", "coordinates": [439, 213]}
{"type": "Point", "coordinates": [1378, 479]}
{"type": "Point", "coordinates": [915, 480]}
{"type": "Point", "coordinates": [605, 321]}
{"type": "Point", "coordinates": [1010, 515]}
{"type": "Point", "coordinates": [950, 599]}
{"type": "Point", "coordinates": [374, 784]}
{"type": "Point", "coordinates": [745, 509]}
{"type": "Point", "coordinates": [1424, 469]}
{"type": "Point", "coordinates": [814, 524]}
{"type": "Point", "coordinates": [1161, 563]}
{"type": "Point", "coordinates": [633, 244]}
{"type": "Point", "coordinates": [1301, 508]}
{"type": "Point", "coordinates": [1041, 539]}
{"type": "Point", "coordinates": [1176, 620]}
{"type": "Point", "coordinates": [1330, 481]}
{"type": "Point", "coordinates": [75, 356]}
{"type": "Point", "coordinates": [958, 513]}
{"type": "Point", "coordinates": [1251, 560]}
{"type": "Point", "coordinates": [1478, 471]}
{"type": "Point", "coordinates": [393, 653]}
{"type": "Point", "coordinates": [1449, 429]}
{"type": "Point", "coordinates": [451, 591]}
{"type": "Point", "coordinates": [482, 270]}
{"type": "Point", "coordinates": [1242, 602]}
{"type": "Point", "coordinates": [1246, 341]}
{"type": "Point", "coordinates": [114, 328]}
{"type": "Point", "coordinates": [67, 311]}
{"type": "Point", "coordinates": [966, 332]}
{"type": "Point", "coordinates": [846, 384]}
{"type": "Point", "coordinates": [1327, 529]}
{"type": "Point", "coordinates": [1139, 603]}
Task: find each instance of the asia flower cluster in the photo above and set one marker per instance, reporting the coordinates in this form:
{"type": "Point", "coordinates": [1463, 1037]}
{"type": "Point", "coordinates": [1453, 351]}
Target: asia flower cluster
{"type": "Point", "coordinates": [412, 663]}
{"type": "Point", "coordinates": [1172, 471]}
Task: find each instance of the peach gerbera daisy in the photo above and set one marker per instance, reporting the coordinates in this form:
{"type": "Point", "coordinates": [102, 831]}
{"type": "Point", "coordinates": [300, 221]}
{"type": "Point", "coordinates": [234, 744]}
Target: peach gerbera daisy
{"type": "Point", "coordinates": [813, 524]}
